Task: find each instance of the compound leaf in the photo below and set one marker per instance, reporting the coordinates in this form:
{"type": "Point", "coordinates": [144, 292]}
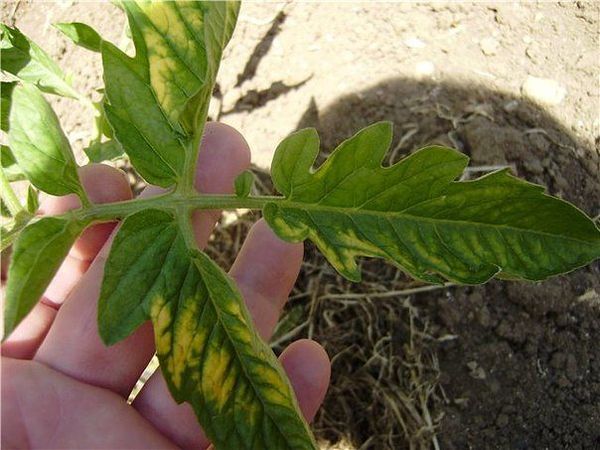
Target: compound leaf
{"type": "Point", "coordinates": [38, 253]}
{"type": "Point", "coordinates": [416, 215]}
{"type": "Point", "coordinates": [24, 59]}
{"type": "Point", "coordinates": [81, 34]}
{"type": "Point", "coordinates": [39, 145]}
{"type": "Point", "coordinates": [178, 49]}
{"type": "Point", "coordinates": [209, 352]}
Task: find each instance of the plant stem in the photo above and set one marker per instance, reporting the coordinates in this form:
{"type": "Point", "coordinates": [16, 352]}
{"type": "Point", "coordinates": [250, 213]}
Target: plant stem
{"type": "Point", "coordinates": [186, 184]}
{"type": "Point", "coordinates": [172, 202]}
{"type": "Point", "coordinates": [8, 195]}
{"type": "Point", "coordinates": [184, 219]}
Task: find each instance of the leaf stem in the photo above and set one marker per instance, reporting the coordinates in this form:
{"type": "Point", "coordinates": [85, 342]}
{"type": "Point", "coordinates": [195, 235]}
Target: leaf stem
{"type": "Point", "coordinates": [174, 201]}
{"type": "Point", "coordinates": [8, 195]}
{"type": "Point", "coordinates": [184, 220]}
{"type": "Point", "coordinates": [186, 185]}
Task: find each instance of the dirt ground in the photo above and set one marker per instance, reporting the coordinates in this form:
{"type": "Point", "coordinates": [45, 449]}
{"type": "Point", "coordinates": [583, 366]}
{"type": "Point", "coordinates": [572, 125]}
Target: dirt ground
{"type": "Point", "coordinates": [503, 366]}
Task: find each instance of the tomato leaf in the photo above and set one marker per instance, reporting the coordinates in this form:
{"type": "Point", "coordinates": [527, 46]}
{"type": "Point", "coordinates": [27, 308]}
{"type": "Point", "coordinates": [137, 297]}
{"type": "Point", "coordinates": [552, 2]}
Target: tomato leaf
{"type": "Point", "coordinates": [416, 215]}
{"type": "Point", "coordinates": [178, 48]}
{"type": "Point", "coordinates": [39, 145]}
{"type": "Point", "coordinates": [24, 59]}
{"type": "Point", "coordinates": [9, 165]}
{"type": "Point", "coordinates": [6, 88]}
{"type": "Point", "coordinates": [81, 34]}
{"type": "Point", "coordinates": [4, 211]}
{"type": "Point", "coordinates": [104, 151]}
{"type": "Point", "coordinates": [38, 253]}
{"type": "Point", "coordinates": [152, 143]}
{"type": "Point", "coordinates": [132, 279]}
{"type": "Point", "coordinates": [33, 200]}
{"type": "Point", "coordinates": [209, 352]}
{"type": "Point", "coordinates": [243, 183]}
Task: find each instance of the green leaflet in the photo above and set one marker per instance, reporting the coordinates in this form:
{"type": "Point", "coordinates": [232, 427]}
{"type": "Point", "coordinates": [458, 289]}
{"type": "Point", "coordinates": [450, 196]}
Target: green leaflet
{"type": "Point", "coordinates": [220, 20]}
{"type": "Point", "coordinates": [81, 34]}
{"type": "Point", "coordinates": [157, 99]}
{"type": "Point", "coordinates": [209, 352]}
{"type": "Point", "coordinates": [4, 211]}
{"type": "Point", "coordinates": [243, 183]}
{"type": "Point", "coordinates": [33, 200]}
{"type": "Point", "coordinates": [24, 59]}
{"type": "Point", "coordinates": [9, 165]}
{"type": "Point", "coordinates": [6, 89]}
{"type": "Point", "coordinates": [39, 145]}
{"type": "Point", "coordinates": [132, 279]}
{"type": "Point", "coordinates": [151, 141]}
{"type": "Point", "coordinates": [7, 160]}
{"type": "Point", "coordinates": [104, 151]}
{"type": "Point", "coordinates": [38, 253]}
{"type": "Point", "coordinates": [414, 213]}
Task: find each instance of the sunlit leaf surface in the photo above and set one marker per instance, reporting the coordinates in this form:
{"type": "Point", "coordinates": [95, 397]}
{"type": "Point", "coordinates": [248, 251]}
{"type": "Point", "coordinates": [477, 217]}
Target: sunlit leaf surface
{"type": "Point", "coordinates": [81, 34]}
{"type": "Point", "coordinates": [39, 145]}
{"type": "Point", "coordinates": [24, 59]}
{"type": "Point", "coordinates": [415, 214]}
{"type": "Point", "coordinates": [154, 98]}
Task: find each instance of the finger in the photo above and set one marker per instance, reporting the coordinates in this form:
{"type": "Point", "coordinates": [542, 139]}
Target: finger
{"type": "Point", "coordinates": [305, 362]}
{"type": "Point", "coordinates": [265, 271]}
{"type": "Point", "coordinates": [42, 408]}
{"type": "Point", "coordinates": [29, 334]}
{"type": "Point", "coordinates": [309, 370]}
{"type": "Point", "coordinates": [103, 184]}
{"type": "Point", "coordinates": [73, 345]}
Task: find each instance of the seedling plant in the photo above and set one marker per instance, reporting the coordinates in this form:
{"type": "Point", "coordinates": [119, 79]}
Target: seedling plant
{"type": "Point", "coordinates": [413, 213]}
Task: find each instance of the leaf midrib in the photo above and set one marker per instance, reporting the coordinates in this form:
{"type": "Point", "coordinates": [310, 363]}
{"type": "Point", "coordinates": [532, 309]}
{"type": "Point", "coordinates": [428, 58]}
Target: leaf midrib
{"type": "Point", "coordinates": [243, 366]}
{"type": "Point", "coordinates": [348, 211]}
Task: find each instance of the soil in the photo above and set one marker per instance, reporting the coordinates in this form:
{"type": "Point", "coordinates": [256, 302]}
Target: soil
{"type": "Point", "coordinates": [524, 369]}
{"type": "Point", "coordinates": [503, 366]}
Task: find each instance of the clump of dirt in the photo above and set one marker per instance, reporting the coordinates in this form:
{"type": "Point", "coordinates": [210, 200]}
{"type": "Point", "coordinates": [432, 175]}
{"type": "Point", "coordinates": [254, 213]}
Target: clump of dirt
{"type": "Point", "coordinates": [525, 370]}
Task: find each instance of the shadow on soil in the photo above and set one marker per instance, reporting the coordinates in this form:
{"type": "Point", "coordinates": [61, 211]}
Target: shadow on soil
{"type": "Point", "coordinates": [506, 365]}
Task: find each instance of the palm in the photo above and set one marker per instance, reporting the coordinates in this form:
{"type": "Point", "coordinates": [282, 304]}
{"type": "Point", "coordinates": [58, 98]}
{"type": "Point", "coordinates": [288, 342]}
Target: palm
{"type": "Point", "coordinates": [68, 413]}
{"type": "Point", "coordinates": [63, 388]}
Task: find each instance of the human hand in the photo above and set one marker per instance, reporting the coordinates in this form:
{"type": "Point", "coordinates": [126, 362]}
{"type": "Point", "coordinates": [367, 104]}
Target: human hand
{"type": "Point", "coordinates": [62, 387]}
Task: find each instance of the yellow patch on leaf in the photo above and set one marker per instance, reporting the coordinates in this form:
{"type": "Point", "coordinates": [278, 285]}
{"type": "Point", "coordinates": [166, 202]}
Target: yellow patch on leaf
{"type": "Point", "coordinates": [218, 379]}
{"type": "Point", "coordinates": [174, 57]}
